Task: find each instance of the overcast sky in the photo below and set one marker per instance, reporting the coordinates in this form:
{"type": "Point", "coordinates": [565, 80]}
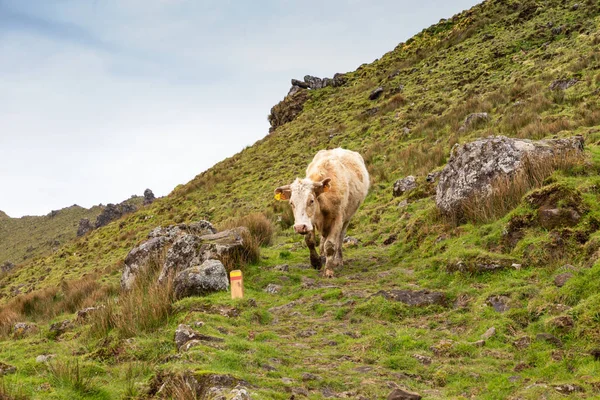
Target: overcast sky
{"type": "Point", "coordinates": [101, 99]}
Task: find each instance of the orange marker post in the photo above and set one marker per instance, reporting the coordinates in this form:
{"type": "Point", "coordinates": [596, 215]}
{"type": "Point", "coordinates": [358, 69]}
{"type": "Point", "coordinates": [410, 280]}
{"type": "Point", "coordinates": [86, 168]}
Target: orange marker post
{"type": "Point", "coordinates": [237, 284]}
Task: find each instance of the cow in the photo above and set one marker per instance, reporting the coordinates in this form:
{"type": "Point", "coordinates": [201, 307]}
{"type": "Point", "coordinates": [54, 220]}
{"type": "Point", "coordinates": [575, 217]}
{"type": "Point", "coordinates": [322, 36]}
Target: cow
{"type": "Point", "coordinates": [336, 184]}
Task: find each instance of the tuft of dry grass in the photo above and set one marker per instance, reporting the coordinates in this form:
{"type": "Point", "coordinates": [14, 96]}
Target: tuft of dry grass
{"type": "Point", "coordinates": [507, 192]}
{"type": "Point", "coordinates": [11, 391]}
{"type": "Point", "coordinates": [70, 374]}
{"type": "Point", "coordinates": [259, 225]}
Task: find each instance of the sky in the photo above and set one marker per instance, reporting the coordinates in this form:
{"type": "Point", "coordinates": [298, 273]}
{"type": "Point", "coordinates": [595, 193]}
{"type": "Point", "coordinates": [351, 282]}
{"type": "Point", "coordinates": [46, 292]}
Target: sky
{"type": "Point", "coordinates": [101, 99]}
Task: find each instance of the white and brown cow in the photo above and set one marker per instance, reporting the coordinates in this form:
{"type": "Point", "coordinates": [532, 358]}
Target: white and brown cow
{"type": "Point", "coordinates": [335, 186]}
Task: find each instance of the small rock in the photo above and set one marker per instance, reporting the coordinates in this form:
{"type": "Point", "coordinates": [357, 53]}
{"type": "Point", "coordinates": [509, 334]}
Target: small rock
{"type": "Point", "coordinates": [21, 329]}
{"type": "Point", "coordinates": [489, 333]}
{"type": "Point", "coordinates": [418, 298]}
{"type": "Point", "coordinates": [561, 84]}
{"type": "Point", "coordinates": [500, 303]}
{"type": "Point", "coordinates": [310, 377]}
{"type": "Point", "coordinates": [282, 268]}
{"type": "Point", "coordinates": [514, 378]}
{"type": "Point", "coordinates": [59, 328]}
{"type": "Point", "coordinates": [184, 333]}
{"type": "Point", "coordinates": [433, 176]}
{"type": "Point", "coordinates": [306, 333]}
{"type": "Point", "coordinates": [339, 79]}
{"type": "Point", "coordinates": [404, 185]}
{"type": "Point", "coordinates": [568, 388]}
{"type": "Point", "coordinates": [6, 369]}
{"type": "Point", "coordinates": [351, 241]}
{"type": "Point", "coordinates": [547, 337]}
{"type": "Point", "coordinates": [475, 119]}
{"type": "Point", "coordinates": [520, 367]}
{"type": "Point", "coordinates": [405, 131]}
{"type": "Point", "coordinates": [422, 359]}
{"type": "Point", "coordinates": [402, 204]}
{"type": "Point", "coordinates": [44, 358]}
{"type": "Point", "coordinates": [561, 279]}
{"type": "Point", "coordinates": [522, 342]}
{"type": "Point", "coordinates": [563, 323]}
{"type": "Point", "coordinates": [575, 7]}
{"type": "Point", "coordinates": [375, 94]}
{"type": "Point", "coordinates": [300, 84]}
{"type": "Point", "coordinates": [400, 394]}
{"type": "Point", "coordinates": [479, 343]}
{"type": "Point", "coordinates": [198, 324]}
{"type": "Point", "coordinates": [84, 314]}
{"type": "Point", "coordinates": [148, 197]}
{"type": "Point", "coordinates": [273, 288]}
{"type": "Point", "coordinates": [287, 381]}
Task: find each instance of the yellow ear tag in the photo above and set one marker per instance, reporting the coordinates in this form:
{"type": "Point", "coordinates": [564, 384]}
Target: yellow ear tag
{"type": "Point", "coordinates": [278, 196]}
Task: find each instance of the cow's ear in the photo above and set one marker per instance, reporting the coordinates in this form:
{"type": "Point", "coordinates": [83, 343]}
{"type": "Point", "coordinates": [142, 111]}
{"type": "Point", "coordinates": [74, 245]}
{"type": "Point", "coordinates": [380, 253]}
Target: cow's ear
{"type": "Point", "coordinates": [322, 187]}
{"type": "Point", "coordinates": [283, 193]}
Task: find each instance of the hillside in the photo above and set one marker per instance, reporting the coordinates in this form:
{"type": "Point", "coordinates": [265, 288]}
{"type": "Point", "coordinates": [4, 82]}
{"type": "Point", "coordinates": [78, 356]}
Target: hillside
{"type": "Point", "coordinates": [534, 68]}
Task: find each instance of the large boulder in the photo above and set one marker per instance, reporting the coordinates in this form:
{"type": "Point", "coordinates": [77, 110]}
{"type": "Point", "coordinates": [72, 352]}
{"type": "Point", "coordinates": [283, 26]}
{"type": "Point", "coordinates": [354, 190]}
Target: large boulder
{"type": "Point", "coordinates": [473, 167]}
{"type": "Point", "coordinates": [201, 280]}
{"type": "Point", "coordinates": [404, 185]}
{"type": "Point", "coordinates": [113, 212]}
{"type": "Point", "coordinates": [140, 257]}
{"type": "Point", "coordinates": [148, 197]}
{"type": "Point", "coordinates": [84, 227]}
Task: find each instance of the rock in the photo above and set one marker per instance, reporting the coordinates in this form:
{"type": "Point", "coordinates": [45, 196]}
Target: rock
{"type": "Point", "coordinates": [479, 343]}
{"type": "Point", "coordinates": [287, 381]}
{"type": "Point", "coordinates": [300, 84]}
{"type": "Point", "coordinates": [442, 347]}
{"type": "Point", "coordinates": [561, 279]}
{"type": "Point", "coordinates": [563, 323]}
{"type": "Point", "coordinates": [59, 328]}
{"type": "Point", "coordinates": [402, 204]}
{"type": "Point", "coordinates": [201, 228]}
{"type": "Point", "coordinates": [184, 334]}
{"type": "Point", "coordinates": [84, 227]}
{"type": "Point", "coordinates": [288, 109]}
{"type": "Point", "coordinates": [44, 358]}
{"type": "Point", "coordinates": [546, 337]}
{"type": "Point", "coordinates": [514, 378]}
{"type": "Point", "coordinates": [400, 394]}
{"type": "Point", "coordinates": [339, 80]}
{"type": "Point", "coordinates": [351, 241]}
{"type": "Point", "coordinates": [84, 314]}
{"type": "Point", "coordinates": [201, 280]}
{"type": "Point", "coordinates": [21, 329]}
{"type": "Point", "coordinates": [433, 176]}
{"type": "Point", "coordinates": [272, 288]}
{"type": "Point", "coordinates": [376, 93]}
{"type": "Point", "coordinates": [418, 298]}
{"type": "Point", "coordinates": [562, 84]}
{"type": "Point", "coordinates": [307, 376]}
{"type": "Point", "coordinates": [391, 239]}
{"type": "Point", "coordinates": [314, 82]}
{"type": "Point", "coordinates": [551, 218]}
{"type": "Point", "coordinates": [405, 131]}
{"type": "Point", "coordinates": [148, 197]}
{"type": "Point", "coordinates": [113, 212]}
{"type": "Point", "coordinates": [489, 333]}
{"type": "Point", "coordinates": [474, 119]}
{"type": "Point", "coordinates": [183, 253]}
{"type": "Point", "coordinates": [139, 257]}
{"type": "Point", "coordinates": [306, 333]}
{"type": "Point", "coordinates": [473, 167]}
{"type": "Point", "coordinates": [568, 388]}
{"type": "Point", "coordinates": [500, 303]}
{"type": "Point", "coordinates": [522, 342]}
{"type": "Point", "coordinates": [575, 7]}
{"type": "Point", "coordinates": [422, 359]}
{"type": "Point", "coordinates": [6, 369]}
{"type": "Point", "coordinates": [7, 267]}
{"type": "Point", "coordinates": [282, 268]}
{"type": "Point", "coordinates": [404, 185]}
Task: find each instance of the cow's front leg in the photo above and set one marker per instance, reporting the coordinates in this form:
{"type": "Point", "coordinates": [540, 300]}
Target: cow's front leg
{"type": "Point", "coordinates": [332, 247]}
{"type": "Point", "coordinates": [315, 260]}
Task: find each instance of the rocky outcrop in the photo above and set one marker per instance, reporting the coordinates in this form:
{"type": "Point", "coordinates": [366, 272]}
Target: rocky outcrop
{"type": "Point", "coordinates": [113, 212]}
{"type": "Point", "coordinates": [201, 280]}
{"type": "Point", "coordinates": [139, 259]}
{"type": "Point", "coordinates": [474, 167]}
{"type": "Point", "coordinates": [148, 197]}
{"type": "Point", "coordinates": [84, 227]}
{"type": "Point", "coordinates": [376, 93]}
{"type": "Point", "coordinates": [404, 185]}
{"type": "Point", "coordinates": [288, 109]}
{"type": "Point", "coordinates": [563, 84]}
{"type": "Point", "coordinates": [202, 385]}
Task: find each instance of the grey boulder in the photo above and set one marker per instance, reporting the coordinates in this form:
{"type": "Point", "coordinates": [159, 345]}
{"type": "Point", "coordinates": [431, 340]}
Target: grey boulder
{"type": "Point", "coordinates": [201, 280]}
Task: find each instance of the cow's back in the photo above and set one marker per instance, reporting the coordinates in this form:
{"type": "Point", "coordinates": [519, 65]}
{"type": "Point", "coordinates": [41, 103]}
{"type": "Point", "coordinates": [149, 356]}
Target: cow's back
{"type": "Point", "coordinates": [349, 177]}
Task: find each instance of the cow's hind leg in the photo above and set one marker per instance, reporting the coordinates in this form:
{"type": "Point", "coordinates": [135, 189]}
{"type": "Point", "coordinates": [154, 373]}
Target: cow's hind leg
{"type": "Point", "coordinates": [315, 260]}
{"type": "Point", "coordinates": [338, 254]}
{"type": "Point", "coordinates": [332, 248]}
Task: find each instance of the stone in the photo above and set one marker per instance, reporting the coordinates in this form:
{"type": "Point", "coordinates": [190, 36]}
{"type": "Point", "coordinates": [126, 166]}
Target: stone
{"type": "Point", "coordinates": [6, 369]}
{"type": "Point", "coordinates": [551, 218]}
{"type": "Point", "coordinates": [84, 314]}
{"type": "Point", "coordinates": [307, 376]}
{"type": "Point", "coordinates": [568, 388]}
{"type": "Point", "coordinates": [113, 212]}
{"type": "Point", "coordinates": [184, 334]}
{"type": "Point", "coordinates": [489, 333]}
{"type": "Point", "coordinates": [300, 84]}
{"type": "Point", "coordinates": [350, 241]}
{"type": "Point", "coordinates": [433, 176]}
{"type": "Point", "coordinates": [402, 204]}
{"type": "Point", "coordinates": [547, 337]}
{"type": "Point", "coordinates": [282, 268]}
{"type": "Point", "coordinates": [7, 267]}
{"type": "Point", "coordinates": [287, 381]}
{"type": "Point", "coordinates": [479, 343]}
{"type": "Point", "coordinates": [442, 347]}
{"type": "Point", "coordinates": [139, 257]}
{"type": "Point", "coordinates": [474, 119]}
{"type": "Point", "coordinates": [44, 358]}
{"type": "Point", "coordinates": [84, 227]}
{"type": "Point", "coordinates": [376, 93]}
{"type": "Point", "coordinates": [561, 279]}
{"type": "Point", "coordinates": [21, 329]}
{"type": "Point", "coordinates": [339, 79]}
{"type": "Point", "coordinates": [474, 167]}
{"type": "Point", "coordinates": [418, 298]}
{"type": "Point", "coordinates": [422, 359]}
{"type": "Point", "coordinates": [401, 394]}
{"type": "Point", "coordinates": [522, 342]}
{"type": "Point", "coordinates": [148, 197]}
{"type": "Point", "coordinates": [314, 82]}
{"type": "Point", "coordinates": [201, 280]}
{"type": "Point", "coordinates": [273, 288]}
{"type": "Point", "coordinates": [59, 328]}
{"type": "Point", "coordinates": [562, 84]}
{"type": "Point", "coordinates": [288, 109]}
{"type": "Point", "coordinates": [562, 323]}
{"type": "Point", "coordinates": [500, 303]}
{"type": "Point", "coordinates": [404, 185]}
{"type": "Point", "coordinates": [183, 254]}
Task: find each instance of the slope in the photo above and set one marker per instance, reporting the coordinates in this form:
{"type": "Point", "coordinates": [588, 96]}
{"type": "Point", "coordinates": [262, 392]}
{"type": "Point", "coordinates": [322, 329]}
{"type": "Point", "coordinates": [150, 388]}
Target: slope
{"type": "Point", "coordinates": [501, 57]}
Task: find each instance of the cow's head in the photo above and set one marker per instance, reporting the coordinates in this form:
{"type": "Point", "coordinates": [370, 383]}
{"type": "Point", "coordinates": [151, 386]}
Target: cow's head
{"type": "Point", "coordinates": [303, 195]}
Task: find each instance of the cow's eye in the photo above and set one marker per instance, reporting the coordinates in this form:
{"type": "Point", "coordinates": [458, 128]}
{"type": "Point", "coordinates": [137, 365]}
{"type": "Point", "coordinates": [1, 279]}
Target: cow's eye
{"type": "Point", "coordinates": [311, 201]}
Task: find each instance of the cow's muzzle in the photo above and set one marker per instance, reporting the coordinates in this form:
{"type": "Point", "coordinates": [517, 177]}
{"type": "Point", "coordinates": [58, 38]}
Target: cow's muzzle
{"type": "Point", "coordinates": [301, 229]}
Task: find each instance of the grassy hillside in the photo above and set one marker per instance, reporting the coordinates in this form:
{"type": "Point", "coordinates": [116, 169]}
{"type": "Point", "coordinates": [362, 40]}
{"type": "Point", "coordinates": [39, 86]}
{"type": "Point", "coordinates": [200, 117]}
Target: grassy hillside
{"type": "Point", "coordinates": [501, 57]}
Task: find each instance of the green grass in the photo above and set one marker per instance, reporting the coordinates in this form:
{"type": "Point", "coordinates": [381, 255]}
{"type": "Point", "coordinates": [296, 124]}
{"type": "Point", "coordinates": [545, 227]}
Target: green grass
{"type": "Point", "coordinates": [500, 57]}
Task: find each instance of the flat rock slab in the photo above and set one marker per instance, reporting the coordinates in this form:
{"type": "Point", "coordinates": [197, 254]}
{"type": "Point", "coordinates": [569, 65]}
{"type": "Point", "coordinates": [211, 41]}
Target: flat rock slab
{"type": "Point", "coordinates": [418, 298]}
{"type": "Point", "coordinates": [500, 303]}
{"type": "Point", "coordinates": [400, 394]}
